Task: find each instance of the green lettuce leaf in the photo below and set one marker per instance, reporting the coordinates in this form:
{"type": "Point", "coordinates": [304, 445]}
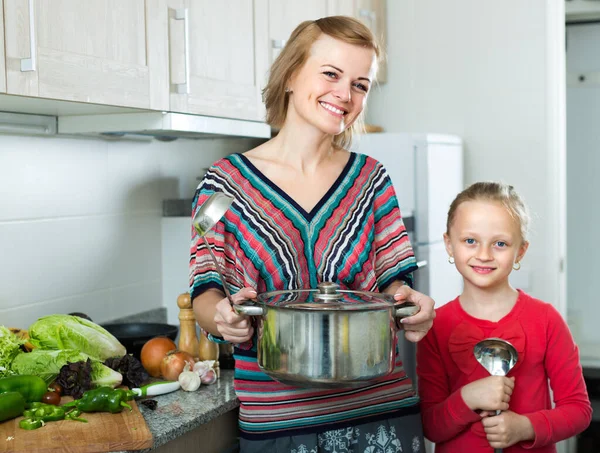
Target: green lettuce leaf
{"type": "Point", "coordinates": [72, 332]}
{"type": "Point", "coordinates": [47, 364]}
{"type": "Point", "coordinates": [10, 347]}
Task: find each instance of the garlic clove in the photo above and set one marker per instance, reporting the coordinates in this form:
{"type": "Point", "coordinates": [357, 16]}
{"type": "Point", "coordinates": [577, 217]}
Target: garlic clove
{"type": "Point", "coordinates": [200, 368]}
{"type": "Point", "coordinates": [209, 377]}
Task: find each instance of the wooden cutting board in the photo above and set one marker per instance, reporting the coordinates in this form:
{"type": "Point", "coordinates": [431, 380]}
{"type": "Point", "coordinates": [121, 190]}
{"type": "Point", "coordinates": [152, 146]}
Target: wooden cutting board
{"type": "Point", "coordinates": [102, 433]}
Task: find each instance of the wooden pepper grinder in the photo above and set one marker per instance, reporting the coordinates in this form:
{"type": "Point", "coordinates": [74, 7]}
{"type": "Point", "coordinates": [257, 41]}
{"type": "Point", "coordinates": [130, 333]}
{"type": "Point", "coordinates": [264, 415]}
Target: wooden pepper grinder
{"type": "Point", "coordinates": [188, 340]}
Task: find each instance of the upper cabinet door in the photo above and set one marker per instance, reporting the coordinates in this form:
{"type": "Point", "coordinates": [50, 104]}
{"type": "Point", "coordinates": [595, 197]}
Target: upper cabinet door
{"type": "Point", "coordinates": [97, 51]}
{"type": "Point", "coordinates": [286, 15]}
{"type": "Point", "coordinates": [341, 7]}
{"type": "Point", "coordinates": [372, 13]}
{"type": "Point", "coordinates": [2, 66]}
{"type": "Point", "coordinates": [218, 57]}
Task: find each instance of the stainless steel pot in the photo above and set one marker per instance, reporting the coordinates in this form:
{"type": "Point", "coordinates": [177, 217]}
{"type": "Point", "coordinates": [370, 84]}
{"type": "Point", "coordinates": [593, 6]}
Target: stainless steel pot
{"type": "Point", "coordinates": [326, 337]}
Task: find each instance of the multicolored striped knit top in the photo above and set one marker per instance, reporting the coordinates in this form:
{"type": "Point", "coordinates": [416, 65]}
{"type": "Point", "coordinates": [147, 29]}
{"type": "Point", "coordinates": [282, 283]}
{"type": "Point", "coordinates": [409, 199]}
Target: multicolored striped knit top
{"type": "Point", "coordinates": [354, 236]}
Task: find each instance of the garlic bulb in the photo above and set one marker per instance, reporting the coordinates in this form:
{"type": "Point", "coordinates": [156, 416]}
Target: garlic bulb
{"type": "Point", "coordinates": [203, 366]}
{"type": "Point", "coordinates": [188, 379]}
{"type": "Point", "coordinates": [209, 377]}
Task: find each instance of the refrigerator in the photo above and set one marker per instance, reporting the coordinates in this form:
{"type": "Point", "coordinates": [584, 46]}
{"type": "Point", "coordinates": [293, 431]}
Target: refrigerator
{"type": "Point", "coordinates": [427, 173]}
{"type": "Point", "coordinates": [583, 215]}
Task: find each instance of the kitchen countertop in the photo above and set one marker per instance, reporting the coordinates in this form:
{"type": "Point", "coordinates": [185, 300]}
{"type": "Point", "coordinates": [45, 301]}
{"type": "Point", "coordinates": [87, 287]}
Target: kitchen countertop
{"type": "Point", "coordinates": [180, 412]}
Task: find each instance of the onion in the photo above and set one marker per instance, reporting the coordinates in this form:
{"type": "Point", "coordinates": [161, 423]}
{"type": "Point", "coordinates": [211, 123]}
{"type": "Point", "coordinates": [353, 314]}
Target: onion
{"type": "Point", "coordinates": [153, 352]}
{"type": "Point", "coordinates": [173, 363]}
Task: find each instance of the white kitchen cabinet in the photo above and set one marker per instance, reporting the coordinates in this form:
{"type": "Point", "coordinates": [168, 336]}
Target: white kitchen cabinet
{"type": "Point", "coordinates": [2, 64]}
{"type": "Point", "coordinates": [372, 14]}
{"type": "Point", "coordinates": [286, 15]}
{"type": "Point", "coordinates": [218, 57]}
{"type": "Point", "coordinates": [341, 7]}
{"type": "Point", "coordinates": [101, 51]}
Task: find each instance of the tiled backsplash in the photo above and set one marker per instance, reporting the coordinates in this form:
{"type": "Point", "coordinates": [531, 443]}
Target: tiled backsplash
{"type": "Point", "coordinates": [80, 222]}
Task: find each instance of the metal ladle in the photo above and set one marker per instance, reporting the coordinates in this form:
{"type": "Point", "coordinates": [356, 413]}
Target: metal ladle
{"type": "Point", "coordinates": [498, 357]}
{"type": "Point", "coordinates": [207, 216]}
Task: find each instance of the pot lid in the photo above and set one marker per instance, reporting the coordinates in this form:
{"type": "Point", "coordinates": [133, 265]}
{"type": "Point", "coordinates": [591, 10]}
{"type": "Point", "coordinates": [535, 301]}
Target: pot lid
{"type": "Point", "coordinates": [327, 296]}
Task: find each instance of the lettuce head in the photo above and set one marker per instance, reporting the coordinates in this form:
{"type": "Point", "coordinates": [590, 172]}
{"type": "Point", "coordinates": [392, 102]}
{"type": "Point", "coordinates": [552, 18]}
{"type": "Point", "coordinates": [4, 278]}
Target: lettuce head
{"type": "Point", "coordinates": [72, 332]}
{"type": "Point", "coordinates": [47, 364]}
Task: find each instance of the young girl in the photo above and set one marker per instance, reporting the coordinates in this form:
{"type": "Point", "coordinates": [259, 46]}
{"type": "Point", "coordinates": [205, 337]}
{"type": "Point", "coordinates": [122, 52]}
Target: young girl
{"type": "Point", "coordinates": [486, 240]}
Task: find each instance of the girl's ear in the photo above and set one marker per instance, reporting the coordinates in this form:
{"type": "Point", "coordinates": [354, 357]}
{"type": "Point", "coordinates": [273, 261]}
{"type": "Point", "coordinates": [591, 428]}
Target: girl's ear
{"type": "Point", "coordinates": [448, 245]}
{"type": "Point", "coordinates": [522, 251]}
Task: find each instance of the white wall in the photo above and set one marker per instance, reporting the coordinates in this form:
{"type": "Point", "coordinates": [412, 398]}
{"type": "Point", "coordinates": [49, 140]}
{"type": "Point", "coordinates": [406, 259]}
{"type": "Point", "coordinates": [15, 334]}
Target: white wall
{"type": "Point", "coordinates": [80, 222]}
{"type": "Point", "coordinates": [489, 72]}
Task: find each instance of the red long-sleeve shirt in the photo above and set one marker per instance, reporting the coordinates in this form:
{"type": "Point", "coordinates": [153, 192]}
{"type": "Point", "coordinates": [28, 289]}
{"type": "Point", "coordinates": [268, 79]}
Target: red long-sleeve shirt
{"type": "Point", "coordinates": [547, 355]}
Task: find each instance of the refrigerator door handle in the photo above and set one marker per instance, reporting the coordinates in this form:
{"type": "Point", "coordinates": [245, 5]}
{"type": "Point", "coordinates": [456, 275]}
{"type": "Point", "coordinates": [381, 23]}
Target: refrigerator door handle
{"type": "Point", "coordinates": [421, 264]}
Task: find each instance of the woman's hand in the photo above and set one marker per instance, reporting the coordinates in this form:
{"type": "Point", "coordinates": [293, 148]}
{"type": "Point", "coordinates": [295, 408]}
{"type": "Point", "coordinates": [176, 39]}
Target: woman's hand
{"type": "Point", "coordinates": [416, 326]}
{"type": "Point", "coordinates": [491, 393]}
{"type": "Point", "coordinates": [233, 327]}
{"type": "Point", "coordinates": [507, 429]}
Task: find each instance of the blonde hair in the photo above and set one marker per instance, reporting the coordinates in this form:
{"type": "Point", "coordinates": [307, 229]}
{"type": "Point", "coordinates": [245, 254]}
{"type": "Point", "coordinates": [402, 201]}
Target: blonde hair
{"type": "Point", "coordinates": [294, 55]}
{"type": "Point", "coordinates": [497, 192]}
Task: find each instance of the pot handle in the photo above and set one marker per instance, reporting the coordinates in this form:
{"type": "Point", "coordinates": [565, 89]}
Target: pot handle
{"type": "Point", "coordinates": [405, 310]}
{"type": "Point", "coordinates": [248, 309]}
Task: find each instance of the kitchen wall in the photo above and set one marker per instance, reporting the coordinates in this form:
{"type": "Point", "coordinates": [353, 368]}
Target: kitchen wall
{"type": "Point", "coordinates": [492, 73]}
{"type": "Point", "coordinates": [80, 222]}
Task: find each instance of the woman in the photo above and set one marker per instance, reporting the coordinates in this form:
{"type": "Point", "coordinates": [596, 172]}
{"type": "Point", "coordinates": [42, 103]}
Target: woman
{"type": "Point", "coordinates": [306, 210]}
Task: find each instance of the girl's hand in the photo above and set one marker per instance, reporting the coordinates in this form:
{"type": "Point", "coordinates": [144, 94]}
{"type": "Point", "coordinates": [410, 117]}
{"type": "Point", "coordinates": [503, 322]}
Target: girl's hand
{"type": "Point", "coordinates": [488, 394]}
{"type": "Point", "coordinates": [507, 429]}
{"type": "Point", "coordinates": [233, 327]}
{"type": "Point", "coordinates": [416, 326]}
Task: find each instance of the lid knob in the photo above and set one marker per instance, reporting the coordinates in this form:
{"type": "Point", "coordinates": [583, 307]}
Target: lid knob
{"type": "Point", "coordinates": [328, 291]}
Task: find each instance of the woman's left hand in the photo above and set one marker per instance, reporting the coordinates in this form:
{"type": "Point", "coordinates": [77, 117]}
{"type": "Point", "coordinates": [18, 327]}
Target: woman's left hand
{"type": "Point", "coordinates": [416, 326]}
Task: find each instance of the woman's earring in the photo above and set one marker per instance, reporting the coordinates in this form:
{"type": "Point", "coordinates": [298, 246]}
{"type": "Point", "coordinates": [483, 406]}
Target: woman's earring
{"type": "Point", "coordinates": [287, 90]}
{"type": "Point", "coordinates": [451, 259]}
{"type": "Point", "coordinates": [517, 266]}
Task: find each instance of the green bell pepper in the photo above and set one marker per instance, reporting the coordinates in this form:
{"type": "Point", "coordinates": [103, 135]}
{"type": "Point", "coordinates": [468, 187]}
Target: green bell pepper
{"type": "Point", "coordinates": [103, 399]}
{"type": "Point", "coordinates": [12, 404]}
{"type": "Point", "coordinates": [45, 412]}
{"type": "Point", "coordinates": [39, 413]}
{"type": "Point", "coordinates": [31, 387]}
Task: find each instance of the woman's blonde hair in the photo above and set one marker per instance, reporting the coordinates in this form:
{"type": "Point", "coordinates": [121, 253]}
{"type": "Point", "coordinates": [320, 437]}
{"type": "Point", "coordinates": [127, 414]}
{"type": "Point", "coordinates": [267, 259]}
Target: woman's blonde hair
{"type": "Point", "coordinates": [498, 192]}
{"type": "Point", "coordinates": [294, 55]}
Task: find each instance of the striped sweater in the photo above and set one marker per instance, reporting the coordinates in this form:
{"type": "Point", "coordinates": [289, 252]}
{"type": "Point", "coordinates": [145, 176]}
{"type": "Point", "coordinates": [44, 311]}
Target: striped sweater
{"type": "Point", "coordinates": [354, 236]}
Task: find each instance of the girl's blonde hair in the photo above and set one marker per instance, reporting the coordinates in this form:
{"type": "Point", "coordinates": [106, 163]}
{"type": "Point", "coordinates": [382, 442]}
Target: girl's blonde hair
{"type": "Point", "coordinates": [498, 192]}
{"type": "Point", "coordinates": [294, 55]}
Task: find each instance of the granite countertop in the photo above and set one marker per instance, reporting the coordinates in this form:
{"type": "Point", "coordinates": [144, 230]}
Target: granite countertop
{"type": "Point", "coordinates": [180, 411]}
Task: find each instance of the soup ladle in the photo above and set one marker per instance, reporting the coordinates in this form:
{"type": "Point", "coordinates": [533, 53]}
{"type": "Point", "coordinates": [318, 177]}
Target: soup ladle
{"type": "Point", "coordinates": [206, 217]}
{"type": "Point", "coordinates": [498, 357]}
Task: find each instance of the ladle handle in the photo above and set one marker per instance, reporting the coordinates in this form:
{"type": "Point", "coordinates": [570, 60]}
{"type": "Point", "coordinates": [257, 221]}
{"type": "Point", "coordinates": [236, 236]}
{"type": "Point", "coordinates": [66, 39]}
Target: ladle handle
{"type": "Point", "coordinates": [498, 450]}
{"type": "Point", "coordinates": [218, 268]}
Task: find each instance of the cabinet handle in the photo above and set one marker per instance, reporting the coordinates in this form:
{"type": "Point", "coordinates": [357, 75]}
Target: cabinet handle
{"type": "Point", "coordinates": [276, 46]}
{"type": "Point", "coordinates": [278, 43]}
{"type": "Point", "coordinates": [29, 64]}
{"type": "Point", "coordinates": [370, 16]}
{"type": "Point", "coordinates": [182, 14]}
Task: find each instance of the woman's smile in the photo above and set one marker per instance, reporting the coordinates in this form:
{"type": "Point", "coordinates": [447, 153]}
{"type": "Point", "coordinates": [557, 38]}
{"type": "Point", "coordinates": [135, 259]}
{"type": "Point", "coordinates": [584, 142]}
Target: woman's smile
{"type": "Point", "coordinates": [334, 110]}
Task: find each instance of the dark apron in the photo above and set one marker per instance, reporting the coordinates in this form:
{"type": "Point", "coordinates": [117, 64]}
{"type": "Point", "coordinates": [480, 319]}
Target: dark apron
{"type": "Point", "coordinates": [395, 435]}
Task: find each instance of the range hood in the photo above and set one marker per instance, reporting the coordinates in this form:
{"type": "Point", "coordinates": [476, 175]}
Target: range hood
{"type": "Point", "coordinates": [161, 125]}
